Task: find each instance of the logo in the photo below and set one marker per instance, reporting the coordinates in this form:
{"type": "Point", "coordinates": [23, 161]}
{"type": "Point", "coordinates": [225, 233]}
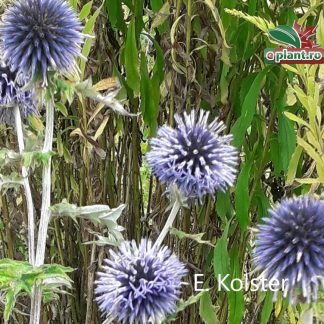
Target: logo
{"type": "Point", "coordinates": [301, 46]}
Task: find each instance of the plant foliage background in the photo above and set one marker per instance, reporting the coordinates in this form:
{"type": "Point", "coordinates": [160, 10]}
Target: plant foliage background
{"type": "Point", "coordinates": [174, 56]}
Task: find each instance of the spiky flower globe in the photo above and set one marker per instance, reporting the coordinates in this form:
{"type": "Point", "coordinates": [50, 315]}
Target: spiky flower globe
{"type": "Point", "coordinates": [194, 156]}
{"type": "Point", "coordinates": [12, 94]}
{"type": "Point", "coordinates": [40, 35]}
{"type": "Point", "coordinates": [290, 246]}
{"type": "Point", "coordinates": [139, 284]}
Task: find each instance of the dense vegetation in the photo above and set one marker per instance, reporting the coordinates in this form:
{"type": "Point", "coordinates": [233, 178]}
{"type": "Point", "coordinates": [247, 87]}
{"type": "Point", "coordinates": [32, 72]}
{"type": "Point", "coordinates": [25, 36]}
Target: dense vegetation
{"type": "Point", "coordinates": [153, 59]}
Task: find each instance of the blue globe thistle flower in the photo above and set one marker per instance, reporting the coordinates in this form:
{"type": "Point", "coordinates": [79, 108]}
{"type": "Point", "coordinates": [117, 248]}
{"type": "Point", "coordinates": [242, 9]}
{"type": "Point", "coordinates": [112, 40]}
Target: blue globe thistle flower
{"type": "Point", "coordinates": [290, 246]}
{"type": "Point", "coordinates": [40, 35]}
{"type": "Point", "coordinates": [12, 94]}
{"type": "Point", "coordinates": [139, 284]}
{"type": "Point", "coordinates": [194, 156]}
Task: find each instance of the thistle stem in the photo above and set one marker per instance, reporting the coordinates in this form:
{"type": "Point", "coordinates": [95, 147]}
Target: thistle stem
{"type": "Point", "coordinates": [307, 316]}
{"type": "Point", "coordinates": [168, 224]}
{"type": "Point", "coordinates": [28, 194]}
{"type": "Point", "coordinates": [46, 185]}
{"type": "Point", "coordinates": [45, 211]}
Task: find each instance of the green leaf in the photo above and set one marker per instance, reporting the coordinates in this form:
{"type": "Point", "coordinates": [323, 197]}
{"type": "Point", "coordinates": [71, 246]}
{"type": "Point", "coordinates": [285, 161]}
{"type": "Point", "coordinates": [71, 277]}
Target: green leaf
{"type": "Point", "coordinates": [131, 59]}
{"type": "Point", "coordinates": [223, 205]}
{"type": "Point", "coordinates": [206, 309]}
{"type": "Point", "coordinates": [275, 155]}
{"type": "Point", "coordinates": [183, 304]}
{"type": "Point", "coordinates": [314, 155]}
{"type": "Point", "coordinates": [147, 105]}
{"type": "Point", "coordinates": [85, 11]}
{"type": "Point", "coordinates": [286, 139]}
{"type": "Point", "coordinates": [267, 308]}
{"type": "Point", "coordinates": [196, 237]}
{"type": "Point", "coordinates": [18, 277]}
{"type": "Point", "coordinates": [296, 119]}
{"type": "Point", "coordinates": [261, 23]}
{"type": "Point", "coordinates": [12, 181]}
{"type": "Point", "coordinates": [221, 261]}
{"type": "Point", "coordinates": [293, 164]}
{"type": "Point", "coordinates": [242, 199]}
{"type": "Point", "coordinates": [115, 14]}
{"type": "Point", "coordinates": [61, 108]}
{"type": "Point", "coordinates": [248, 108]}
{"type": "Point", "coordinates": [88, 29]}
{"type": "Point", "coordinates": [156, 5]}
{"type": "Point", "coordinates": [161, 16]}
{"type": "Point", "coordinates": [320, 30]}
{"type": "Point", "coordinates": [98, 214]}
{"type": "Point", "coordinates": [235, 298]}
{"type": "Point", "coordinates": [286, 35]}
{"type": "Point", "coordinates": [10, 302]}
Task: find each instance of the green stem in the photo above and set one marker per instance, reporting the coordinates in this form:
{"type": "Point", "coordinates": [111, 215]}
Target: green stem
{"type": "Point", "coordinates": [28, 194]}
{"type": "Point", "coordinates": [168, 224]}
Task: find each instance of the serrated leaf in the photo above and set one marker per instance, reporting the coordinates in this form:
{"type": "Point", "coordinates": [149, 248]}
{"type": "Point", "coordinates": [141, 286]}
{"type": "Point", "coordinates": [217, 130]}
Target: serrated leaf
{"type": "Point", "coordinates": [183, 305]}
{"type": "Point", "coordinates": [98, 214]}
{"type": "Point", "coordinates": [259, 22]}
{"type": "Point", "coordinates": [206, 310]}
{"type": "Point", "coordinates": [18, 277]}
{"type": "Point", "coordinates": [196, 237]}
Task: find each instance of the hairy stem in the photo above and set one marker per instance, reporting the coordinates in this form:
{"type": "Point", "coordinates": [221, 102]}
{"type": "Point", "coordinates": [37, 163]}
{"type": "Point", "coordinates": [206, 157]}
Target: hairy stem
{"type": "Point", "coordinates": [45, 211]}
{"type": "Point", "coordinates": [307, 316]}
{"type": "Point", "coordinates": [28, 194]}
{"type": "Point", "coordinates": [168, 224]}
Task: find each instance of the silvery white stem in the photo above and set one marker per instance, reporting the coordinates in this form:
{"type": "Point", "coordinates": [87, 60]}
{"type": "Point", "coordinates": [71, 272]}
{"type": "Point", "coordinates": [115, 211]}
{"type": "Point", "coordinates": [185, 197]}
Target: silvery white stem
{"type": "Point", "coordinates": [28, 195]}
{"type": "Point", "coordinates": [45, 211]}
{"type": "Point", "coordinates": [307, 316]}
{"type": "Point", "coordinates": [168, 224]}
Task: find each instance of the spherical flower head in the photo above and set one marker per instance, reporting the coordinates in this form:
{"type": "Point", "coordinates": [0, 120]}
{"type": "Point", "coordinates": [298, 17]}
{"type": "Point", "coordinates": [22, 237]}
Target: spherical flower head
{"type": "Point", "coordinates": [290, 247]}
{"type": "Point", "coordinates": [194, 156]}
{"type": "Point", "coordinates": [40, 35]}
{"type": "Point", "coordinates": [139, 284]}
{"type": "Point", "coordinates": [12, 94]}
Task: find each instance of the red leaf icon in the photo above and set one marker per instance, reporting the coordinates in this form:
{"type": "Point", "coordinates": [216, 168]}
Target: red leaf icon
{"type": "Point", "coordinates": [305, 36]}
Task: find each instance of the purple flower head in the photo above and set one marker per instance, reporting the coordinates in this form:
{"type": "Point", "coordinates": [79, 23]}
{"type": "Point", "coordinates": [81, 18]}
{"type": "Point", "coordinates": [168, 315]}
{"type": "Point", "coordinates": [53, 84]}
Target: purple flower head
{"type": "Point", "coordinates": [290, 246]}
{"type": "Point", "coordinates": [194, 156]}
{"type": "Point", "coordinates": [139, 284]}
{"type": "Point", "coordinates": [12, 94]}
{"type": "Point", "coordinates": [40, 35]}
